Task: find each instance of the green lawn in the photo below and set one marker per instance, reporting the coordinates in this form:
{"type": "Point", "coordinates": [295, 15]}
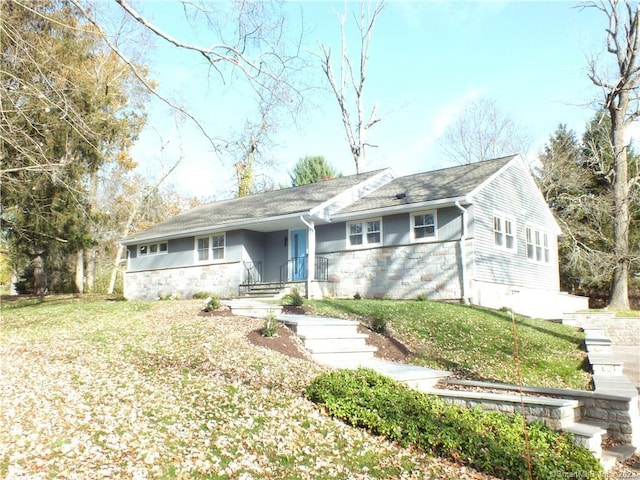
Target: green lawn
{"type": "Point", "coordinates": [91, 389]}
{"type": "Point", "coordinates": [476, 343]}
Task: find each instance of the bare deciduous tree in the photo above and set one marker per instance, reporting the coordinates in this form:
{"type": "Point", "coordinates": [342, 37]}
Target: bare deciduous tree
{"type": "Point", "coordinates": [619, 83]}
{"type": "Point", "coordinates": [351, 78]}
{"type": "Point", "coordinates": [483, 131]}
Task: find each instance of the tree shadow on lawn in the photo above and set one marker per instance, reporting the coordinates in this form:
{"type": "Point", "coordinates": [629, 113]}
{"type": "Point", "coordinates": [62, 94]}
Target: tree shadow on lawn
{"type": "Point", "coordinates": [506, 317]}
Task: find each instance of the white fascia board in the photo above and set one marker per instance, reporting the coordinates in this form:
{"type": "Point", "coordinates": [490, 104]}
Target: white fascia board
{"type": "Point", "coordinates": [225, 227]}
{"type": "Point", "coordinates": [349, 196]}
{"type": "Point", "coordinates": [407, 207]}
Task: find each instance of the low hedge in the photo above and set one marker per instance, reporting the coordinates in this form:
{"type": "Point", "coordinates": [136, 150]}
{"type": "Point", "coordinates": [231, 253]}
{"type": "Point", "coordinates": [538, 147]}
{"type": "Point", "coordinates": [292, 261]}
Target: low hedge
{"type": "Point", "coordinates": [490, 442]}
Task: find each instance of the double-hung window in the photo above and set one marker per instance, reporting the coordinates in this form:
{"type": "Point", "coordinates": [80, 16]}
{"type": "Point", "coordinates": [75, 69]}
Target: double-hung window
{"type": "Point", "coordinates": [423, 226]}
{"type": "Point", "coordinates": [538, 245]}
{"type": "Point", "coordinates": [210, 248]}
{"type": "Point", "coordinates": [504, 232]}
{"type": "Point", "coordinates": [366, 232]}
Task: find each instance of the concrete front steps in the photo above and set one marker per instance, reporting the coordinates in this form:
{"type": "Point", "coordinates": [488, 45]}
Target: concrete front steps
{"type": "Point", "coordinates": [252, 308]}
{"type": "Point", "coordinates": [338, 344]}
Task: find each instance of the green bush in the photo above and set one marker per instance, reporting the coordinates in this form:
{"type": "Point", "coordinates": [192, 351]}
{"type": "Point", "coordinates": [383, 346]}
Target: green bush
{"type": "Point", "coordinates": [202, 295]}
{"type": "Point", "coordinates": [378, 322]}
{"type": "Point", "coordinates": [213, 303]}
{"type": "Point", "coordinates": [270, 328]}
{"type": "Point", "coordinates": [294, 298]}
{"type": "Point", "coordinates": [490, 442]}
{"type": "Point", "coordinates": [357, 296]}
{"type": "Point", "coordinates": [421, 297]}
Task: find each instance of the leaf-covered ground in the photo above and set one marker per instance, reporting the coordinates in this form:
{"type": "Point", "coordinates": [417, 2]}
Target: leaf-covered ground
{"type": "Point", "coordinates": [97, 390]}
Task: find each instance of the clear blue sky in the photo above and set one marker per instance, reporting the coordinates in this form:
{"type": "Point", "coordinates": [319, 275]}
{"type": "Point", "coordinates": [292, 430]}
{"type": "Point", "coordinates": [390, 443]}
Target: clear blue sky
{"type": "Point", "coordinates": [427, 59]}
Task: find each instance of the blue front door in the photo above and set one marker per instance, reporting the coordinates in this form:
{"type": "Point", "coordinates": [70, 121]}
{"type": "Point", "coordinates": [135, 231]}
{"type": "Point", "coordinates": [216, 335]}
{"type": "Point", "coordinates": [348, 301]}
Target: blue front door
{"type": "Point", "coordinates": [298, 254]}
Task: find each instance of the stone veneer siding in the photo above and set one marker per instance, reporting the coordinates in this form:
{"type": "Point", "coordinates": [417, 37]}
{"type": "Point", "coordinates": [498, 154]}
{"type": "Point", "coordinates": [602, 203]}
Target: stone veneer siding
{"type": "Point", "coordinates": [398, 272]}
{"type": "Point", "coordinates": [221, 278]}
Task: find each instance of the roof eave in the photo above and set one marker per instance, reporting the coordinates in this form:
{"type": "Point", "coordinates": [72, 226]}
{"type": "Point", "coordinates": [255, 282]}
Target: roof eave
{"type": "Point", "coordinates": [223, 227]}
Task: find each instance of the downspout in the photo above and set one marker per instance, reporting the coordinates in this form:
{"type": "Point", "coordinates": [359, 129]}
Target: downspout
{"type": "Point", "coordinates": [311, 255]}
{"type": "Point", "coordinates": [463, 253]}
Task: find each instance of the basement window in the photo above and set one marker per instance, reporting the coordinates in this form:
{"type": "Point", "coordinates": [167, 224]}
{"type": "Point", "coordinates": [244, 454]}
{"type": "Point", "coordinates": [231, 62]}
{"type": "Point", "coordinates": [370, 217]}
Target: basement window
{"type": "Point", "coordinates": [153, 249]}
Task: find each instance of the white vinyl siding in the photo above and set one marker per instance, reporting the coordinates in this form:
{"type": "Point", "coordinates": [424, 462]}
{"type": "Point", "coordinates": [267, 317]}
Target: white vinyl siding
{"type": "Point", "coordinates": [210, 248]}
{"type": "Point", "coordinates": [423, 226]}
{"type": "Point", "coordinates": [364, 233]}
{"type": "Point", "coordinates": [513, 194]}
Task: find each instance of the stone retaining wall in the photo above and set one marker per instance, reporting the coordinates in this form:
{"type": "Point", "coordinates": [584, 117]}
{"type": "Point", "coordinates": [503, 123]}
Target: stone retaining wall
{"type": "Point", "coordinates": [621, 330]}
{"type": "Point", "coordinates": [220, 278]}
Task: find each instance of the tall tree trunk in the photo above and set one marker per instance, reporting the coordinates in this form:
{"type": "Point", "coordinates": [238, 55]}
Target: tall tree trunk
{"type": "Point", "coordinates": [619, 298]}
{"type": "Point", "coordinates": [79, 278]}
{"type": "Point", "coordinates": [90, 268]}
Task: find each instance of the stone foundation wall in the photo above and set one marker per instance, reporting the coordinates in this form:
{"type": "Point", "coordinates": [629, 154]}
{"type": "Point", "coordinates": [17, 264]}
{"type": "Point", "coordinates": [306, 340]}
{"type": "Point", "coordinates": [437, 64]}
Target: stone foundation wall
{"type": "Point", "coordinates": [431, 269]}
{"type": "Point", "coordinates": [222, 279]}
{"type": "Point", "coordinates": [621, 331]}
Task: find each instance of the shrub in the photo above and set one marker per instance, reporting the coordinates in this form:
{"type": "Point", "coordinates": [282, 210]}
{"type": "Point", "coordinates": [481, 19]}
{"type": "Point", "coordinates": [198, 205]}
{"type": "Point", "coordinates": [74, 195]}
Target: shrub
{"type": "Point", "coordinates": [421, 297]}
{"type": "Point", "coordinates": [202, 295]}
{"type": "Point", "coordinates": [270, 325]}
{"type": "Point", "coordinates": [487, 441]}
{"type": "Point", "coordinates": [212, 303]}
{"type": "Point", "coordinates": [295, 298]}
{"type": "Point", "coordinates": [379, 322]}
{"type": "Point", "coordinates": [357, 296]}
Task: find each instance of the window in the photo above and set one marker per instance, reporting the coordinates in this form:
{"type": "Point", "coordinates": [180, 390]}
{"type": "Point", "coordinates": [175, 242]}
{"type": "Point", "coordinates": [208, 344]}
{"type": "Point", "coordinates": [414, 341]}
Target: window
{"type": "Point", "coordinates": [424, 226]}
{"type": "Point", "coordinates": [504, 232]}
{"type": "Point", "coordinates": [538, 245]}
{"type": "Point", "coordinates": [210, 248]}
{"type": "Point", "coordinates": [153, 248]}
{"type": "Point", "coordinates": [368, 232]}
{"type": "Point", "coordinates": [217, 244]}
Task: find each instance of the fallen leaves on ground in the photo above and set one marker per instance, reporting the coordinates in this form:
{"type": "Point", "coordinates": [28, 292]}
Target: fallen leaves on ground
{"type": "Point", "coordinates": [160, 392]}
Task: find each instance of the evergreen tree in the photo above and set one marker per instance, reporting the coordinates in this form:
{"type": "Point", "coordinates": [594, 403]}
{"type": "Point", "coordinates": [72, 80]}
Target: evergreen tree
{"type": "Point", "coordinates": [312, 169]}
{"type": "Point", "coordinates": [576, 179]}
{"type": "Point", "coordinates": [67, 111]}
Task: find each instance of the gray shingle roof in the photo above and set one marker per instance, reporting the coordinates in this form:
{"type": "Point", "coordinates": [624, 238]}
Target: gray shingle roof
{"type": "Point", "coordinates": [453, 182]}
{"type": "Point", "coordinates": [441, 184]}
{"type": "Point", "coordinates": [253, 207]}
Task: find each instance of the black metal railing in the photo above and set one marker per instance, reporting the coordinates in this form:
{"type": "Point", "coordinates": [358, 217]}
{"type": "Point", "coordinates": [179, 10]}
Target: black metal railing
{"type": "Point", "coordinates": [296, 269]}
{"type": "Point", "coordinates": [253, 273]}
{"type": "Point", "coordinates": [322, 269]}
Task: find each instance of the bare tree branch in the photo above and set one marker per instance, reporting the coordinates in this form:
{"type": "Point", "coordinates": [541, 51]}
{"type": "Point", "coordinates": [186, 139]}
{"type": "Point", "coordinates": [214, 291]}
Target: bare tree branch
{"type": "Point", "coordinates": [356, 132]}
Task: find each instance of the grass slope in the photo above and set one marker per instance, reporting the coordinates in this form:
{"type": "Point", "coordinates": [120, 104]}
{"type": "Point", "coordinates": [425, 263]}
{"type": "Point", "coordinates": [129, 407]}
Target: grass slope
{"type": "Point", "coordinates": [477, 343]}
{"type": "Point", "coordinates": [96, 389]}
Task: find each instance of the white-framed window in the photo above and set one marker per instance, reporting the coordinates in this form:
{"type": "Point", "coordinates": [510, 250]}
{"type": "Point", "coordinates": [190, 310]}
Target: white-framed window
{"type": "Point", "coordinates": [210, 247]}
{"type": "Point", "coordinates": [423, 226]}
{"type": "Point", "coordinates": [538, 245]}
{"type": "Point", "coordinates": [364, 233]}
{"type": "Point", "coordinates": [504, 232]}
{"type": "Point", "coordinates": [153, 249]}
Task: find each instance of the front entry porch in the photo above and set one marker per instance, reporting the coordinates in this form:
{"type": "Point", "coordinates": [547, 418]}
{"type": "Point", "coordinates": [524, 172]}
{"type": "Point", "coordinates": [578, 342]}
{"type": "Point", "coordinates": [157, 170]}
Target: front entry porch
{"type": "Point", "coordinates": [294, 273]}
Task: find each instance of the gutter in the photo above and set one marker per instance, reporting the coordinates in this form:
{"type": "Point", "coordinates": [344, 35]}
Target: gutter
{"type": "Point", "coordinates": [405, 207]}
{"type": "Point", "coordinates": [204, 230]}
{"type": "Point", "coordinates": [463, 253]}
